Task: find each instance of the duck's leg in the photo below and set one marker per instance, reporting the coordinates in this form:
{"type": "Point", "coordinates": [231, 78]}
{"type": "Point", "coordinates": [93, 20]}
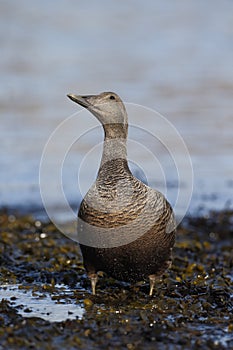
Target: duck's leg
{"type": "Point", "coordinates": [152, 279]}
{"type": "Point", "coordinates": [94, 278]}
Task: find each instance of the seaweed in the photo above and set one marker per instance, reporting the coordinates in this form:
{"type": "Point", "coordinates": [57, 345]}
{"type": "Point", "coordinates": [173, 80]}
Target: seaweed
{"type": "Point", "coordinates": [192, 305]}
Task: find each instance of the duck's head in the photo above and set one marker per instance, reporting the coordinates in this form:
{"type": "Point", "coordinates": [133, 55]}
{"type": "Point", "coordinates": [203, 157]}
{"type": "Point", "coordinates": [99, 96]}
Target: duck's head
{"type": "Point", "coordinates": [108, 108]}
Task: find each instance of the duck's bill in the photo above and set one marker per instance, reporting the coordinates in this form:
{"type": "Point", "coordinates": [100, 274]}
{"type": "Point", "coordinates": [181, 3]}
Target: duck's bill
{"type": "Point", "coordinates": [81, 100]}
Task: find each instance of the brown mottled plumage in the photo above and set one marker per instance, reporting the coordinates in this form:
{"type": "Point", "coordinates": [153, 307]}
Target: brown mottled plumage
{"type": "Point", "coordinates": [125, 228]}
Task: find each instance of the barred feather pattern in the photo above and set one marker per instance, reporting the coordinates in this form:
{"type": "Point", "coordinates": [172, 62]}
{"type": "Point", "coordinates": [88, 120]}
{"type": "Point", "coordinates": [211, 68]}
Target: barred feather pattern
{"type": "Point", "coordinates": [128, 228]}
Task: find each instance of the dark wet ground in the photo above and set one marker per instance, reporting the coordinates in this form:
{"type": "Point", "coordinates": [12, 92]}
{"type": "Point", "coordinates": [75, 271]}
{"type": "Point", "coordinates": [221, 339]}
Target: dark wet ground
{"type": "Point", "coordinates": [192, 306]}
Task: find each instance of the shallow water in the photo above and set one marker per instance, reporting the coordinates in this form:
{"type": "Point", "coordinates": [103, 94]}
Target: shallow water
{"type": "Point", "coordinates": [174, 57]}
{"type": "Point", "coordinates": [31, 303]}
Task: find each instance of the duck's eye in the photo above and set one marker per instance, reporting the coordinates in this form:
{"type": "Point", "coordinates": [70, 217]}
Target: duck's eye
{"type": "Point", "coordinates": [112, 97]}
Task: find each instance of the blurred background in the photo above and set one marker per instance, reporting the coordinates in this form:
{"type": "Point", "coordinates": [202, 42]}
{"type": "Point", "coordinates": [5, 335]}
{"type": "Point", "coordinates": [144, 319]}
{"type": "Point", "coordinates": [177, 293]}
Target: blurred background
{"type": "Point", "coordinates": [173, 56]}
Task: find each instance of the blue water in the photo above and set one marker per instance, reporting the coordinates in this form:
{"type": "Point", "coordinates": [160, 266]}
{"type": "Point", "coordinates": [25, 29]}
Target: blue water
{"type": "Point", "coordinates": [175, 57]}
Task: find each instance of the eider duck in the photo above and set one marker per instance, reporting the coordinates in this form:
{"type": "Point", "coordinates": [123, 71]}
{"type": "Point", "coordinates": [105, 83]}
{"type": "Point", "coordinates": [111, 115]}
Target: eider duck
{"type": "Point", "coordinates": [125, 228]}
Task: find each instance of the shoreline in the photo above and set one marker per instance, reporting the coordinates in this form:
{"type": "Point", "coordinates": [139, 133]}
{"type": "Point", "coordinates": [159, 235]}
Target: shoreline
{"type": "Point", "coordinates": [192, 305]}
{"type": "Point", "coordinates": [39, 212]}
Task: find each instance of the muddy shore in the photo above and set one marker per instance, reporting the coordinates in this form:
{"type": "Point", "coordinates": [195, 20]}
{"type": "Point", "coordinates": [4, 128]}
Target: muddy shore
{"type": "Point", "coordinates": [192, 306]}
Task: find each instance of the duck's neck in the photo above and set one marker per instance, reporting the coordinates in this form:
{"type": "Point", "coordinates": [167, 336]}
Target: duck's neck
{"type": "Point", "coordinates": [115, 148]}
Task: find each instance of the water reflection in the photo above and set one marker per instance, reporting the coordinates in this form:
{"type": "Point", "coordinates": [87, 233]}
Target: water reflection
{"type": "Point", "coordinates": [42, 305]}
